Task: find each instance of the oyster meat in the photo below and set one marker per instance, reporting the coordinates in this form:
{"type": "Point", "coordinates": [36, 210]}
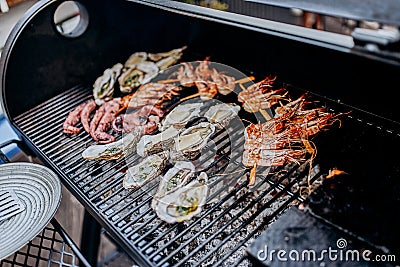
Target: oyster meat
{"type": "Point", "coordinates": [221, 114]}
{"type": "Point", "coordinates": [180, 115]}
{"type": "Point", "coordinates": [103, 87]}
{"type": "Point", "coordinates": [185, 202]}
{"type": "Point", "coordinates": [141, 67]}
{"type": "Point", "coordinates": [189, 143]}
{"type": "Point", "coordinates": [175, 178]}
{"type": "Point", "coordinates": [114, 150]}
{"type": "Point", "coordinates": [137, 75]}
{"type": "Point", "coordinates": [148, 169]}
{"type": "Point", "coordinates": [150, 144]}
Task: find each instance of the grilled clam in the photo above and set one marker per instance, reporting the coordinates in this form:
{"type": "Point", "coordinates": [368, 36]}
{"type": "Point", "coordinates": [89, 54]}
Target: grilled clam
{"type": "Point", "coordinates": [221, 114]}
{"type": "Point", "coordinates": [175, 178]}
{"type": "Point", "coordinates": [190, 142]}
{"type": "Point", "coordinates": [180, 115]}
{"type": "Point", "coordinates": [103, 87]}
{"type": "Point", "coordinates": [114, 150]}
{"type": "Point", "coordinates": [150, 144]}
{"type": "Point", "coordinates": [145, 171]}
{"type": "Point", "coordinates": [185, 202]}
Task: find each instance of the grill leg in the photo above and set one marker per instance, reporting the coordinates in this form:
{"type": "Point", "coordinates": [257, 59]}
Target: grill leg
{"type": "Point", "coordinates": [90, 239]}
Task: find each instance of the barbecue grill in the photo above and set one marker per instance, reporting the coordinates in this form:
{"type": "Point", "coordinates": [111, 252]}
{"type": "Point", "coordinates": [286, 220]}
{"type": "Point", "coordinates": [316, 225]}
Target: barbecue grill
{"type": "Point", "coordinates": [46, 74]}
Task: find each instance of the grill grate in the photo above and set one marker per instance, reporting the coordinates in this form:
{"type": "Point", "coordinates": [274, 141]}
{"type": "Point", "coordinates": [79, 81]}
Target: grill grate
{"type": "Point", "coordinates": [48, 248]}
{"type": "Point", "coordinates": [234, 216]}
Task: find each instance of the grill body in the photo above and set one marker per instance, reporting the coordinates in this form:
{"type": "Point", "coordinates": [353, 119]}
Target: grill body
{"type": "Point", "coordinates": [45, 75]}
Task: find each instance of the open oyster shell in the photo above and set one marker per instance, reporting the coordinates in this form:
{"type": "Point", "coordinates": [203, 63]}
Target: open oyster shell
{"type": "Point", "coordinates": [189, 143]}
{"type": "Point", "coordinates": [150, 144]}
{"type": "Point", "coordinates": [185, 202]}
{"type": "Point", "coordinates": [180, 115]}
{"type": "Point", "coordinates": [221, 114]}
{"type": "Point", "coordinates": [135, 58]}
{"type": "Point", "coordinates": [145, 171]}
{"type": "Point", "coordinates": [114, 150]}
{"type": "Point", "coordinates": [175, 178]}
{"type": "Point", "coordinates": [136, 75]}
{"type": "Point", "coordinates": [103, 87]}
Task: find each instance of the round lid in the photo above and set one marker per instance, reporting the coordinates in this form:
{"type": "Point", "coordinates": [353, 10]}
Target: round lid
{"type": "Point", "coordinates": [39, 191]}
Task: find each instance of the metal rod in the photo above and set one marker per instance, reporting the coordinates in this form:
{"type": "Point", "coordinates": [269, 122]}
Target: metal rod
{"type": "Point", "coordinates": [90, 239]}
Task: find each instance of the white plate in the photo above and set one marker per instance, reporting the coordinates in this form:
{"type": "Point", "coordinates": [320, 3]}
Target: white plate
{"type": "Point", "coordinates": [39, 189]}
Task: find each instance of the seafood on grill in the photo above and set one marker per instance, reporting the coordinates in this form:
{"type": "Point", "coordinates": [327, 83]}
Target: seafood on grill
{"type": "Point", "coordinates": [166, 59]}
{"type": "Point", "coordinates": [103, 87]}
{"type": "Point", "coordinates": [150, 94]}
{"type": "Point", "coordinates": [136, 75]}
{"type": "Point", "coordinates": [185, 202]}
{"type": "Point", "coordinates": [115, 150]}
{"type": "Point", "coordinates": [146, 118]}
{"type": "Point", "coordinates": [189, 142]}
{"type": "Point", "coordinates": [163, 141]}
{"type": "Point", "coordinates": [261, 95]}
{"type": "Point", "coordinates": [180, 115]}
{"type": "Point", "coordinates": [69, 125]}
{"type": "Point", "coordinates": [286, 137]}
{"type": "Point", "coordinates": [102, 119]}
{"type": "Point", "coordinates": [268, 157]}
{"type": "Point", "coordinates": [141, 67]}
{"type": "Point", "coordinates": [145, 171]}
{"type": "Point", "coordinates": [209, 81]}
{"type": "Point", "coordinates": [221, 114]}
{"type": "Point", "coordinates": [85, 114]}
{"type": "Point", "coordinates": [173, 179]}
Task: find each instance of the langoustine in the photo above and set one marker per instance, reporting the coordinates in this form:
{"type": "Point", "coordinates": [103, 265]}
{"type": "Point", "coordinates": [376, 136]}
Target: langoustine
{"type": "Point", "coordinates": [262, 95]}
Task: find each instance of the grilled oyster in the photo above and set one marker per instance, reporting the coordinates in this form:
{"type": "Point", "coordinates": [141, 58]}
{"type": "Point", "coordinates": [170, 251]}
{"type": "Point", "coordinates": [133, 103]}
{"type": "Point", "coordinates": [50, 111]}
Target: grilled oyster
{"type": "Point", "coordinates": [103, 87]}
{"type": "Point", "coordinates": [179, 116]}
{"type": "Point", "coordinates": [150, 144]}
{"type": "Point", "coordinates": [221, 114]}
{"type": "Point", "coordinates": [190, 142]}
{"type": "Point", "coordinates": [144, 172]}
{"type": "Point", "coordinates": [137, 75]}
{"type": "Point", "coordinates": [135, 58]}
{"type": "Point", "coordinates": [175, 178]}
{"type": "Point", "coordinates": [185, 202]}
{"type": "Point", "coordinates": [172, 53]}
{"type": "Point", "coordinates": [114, 150]}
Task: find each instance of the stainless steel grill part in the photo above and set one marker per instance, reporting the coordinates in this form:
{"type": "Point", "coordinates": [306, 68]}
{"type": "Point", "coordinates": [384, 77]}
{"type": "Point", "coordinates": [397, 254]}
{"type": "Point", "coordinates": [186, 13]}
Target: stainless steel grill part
{"type": "Point", "coordinates": [10, 204]}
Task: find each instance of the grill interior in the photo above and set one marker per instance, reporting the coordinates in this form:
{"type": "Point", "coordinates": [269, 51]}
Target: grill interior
{"type": "Point", "coordinates": [234, 216]}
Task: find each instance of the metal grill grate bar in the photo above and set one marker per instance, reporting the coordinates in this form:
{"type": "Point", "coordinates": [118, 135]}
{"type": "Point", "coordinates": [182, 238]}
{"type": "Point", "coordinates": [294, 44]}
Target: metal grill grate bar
{"type": "Point", "coordinates": [259, 228]}
{"type": "Point", "coordinates": [220, 230]}
{"type": "Point", "coordinates": [128, 213]}
{"type": "Point", "coordinates": [52, 101]}
{"type": "Point", "coordinates": [34, 124]}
